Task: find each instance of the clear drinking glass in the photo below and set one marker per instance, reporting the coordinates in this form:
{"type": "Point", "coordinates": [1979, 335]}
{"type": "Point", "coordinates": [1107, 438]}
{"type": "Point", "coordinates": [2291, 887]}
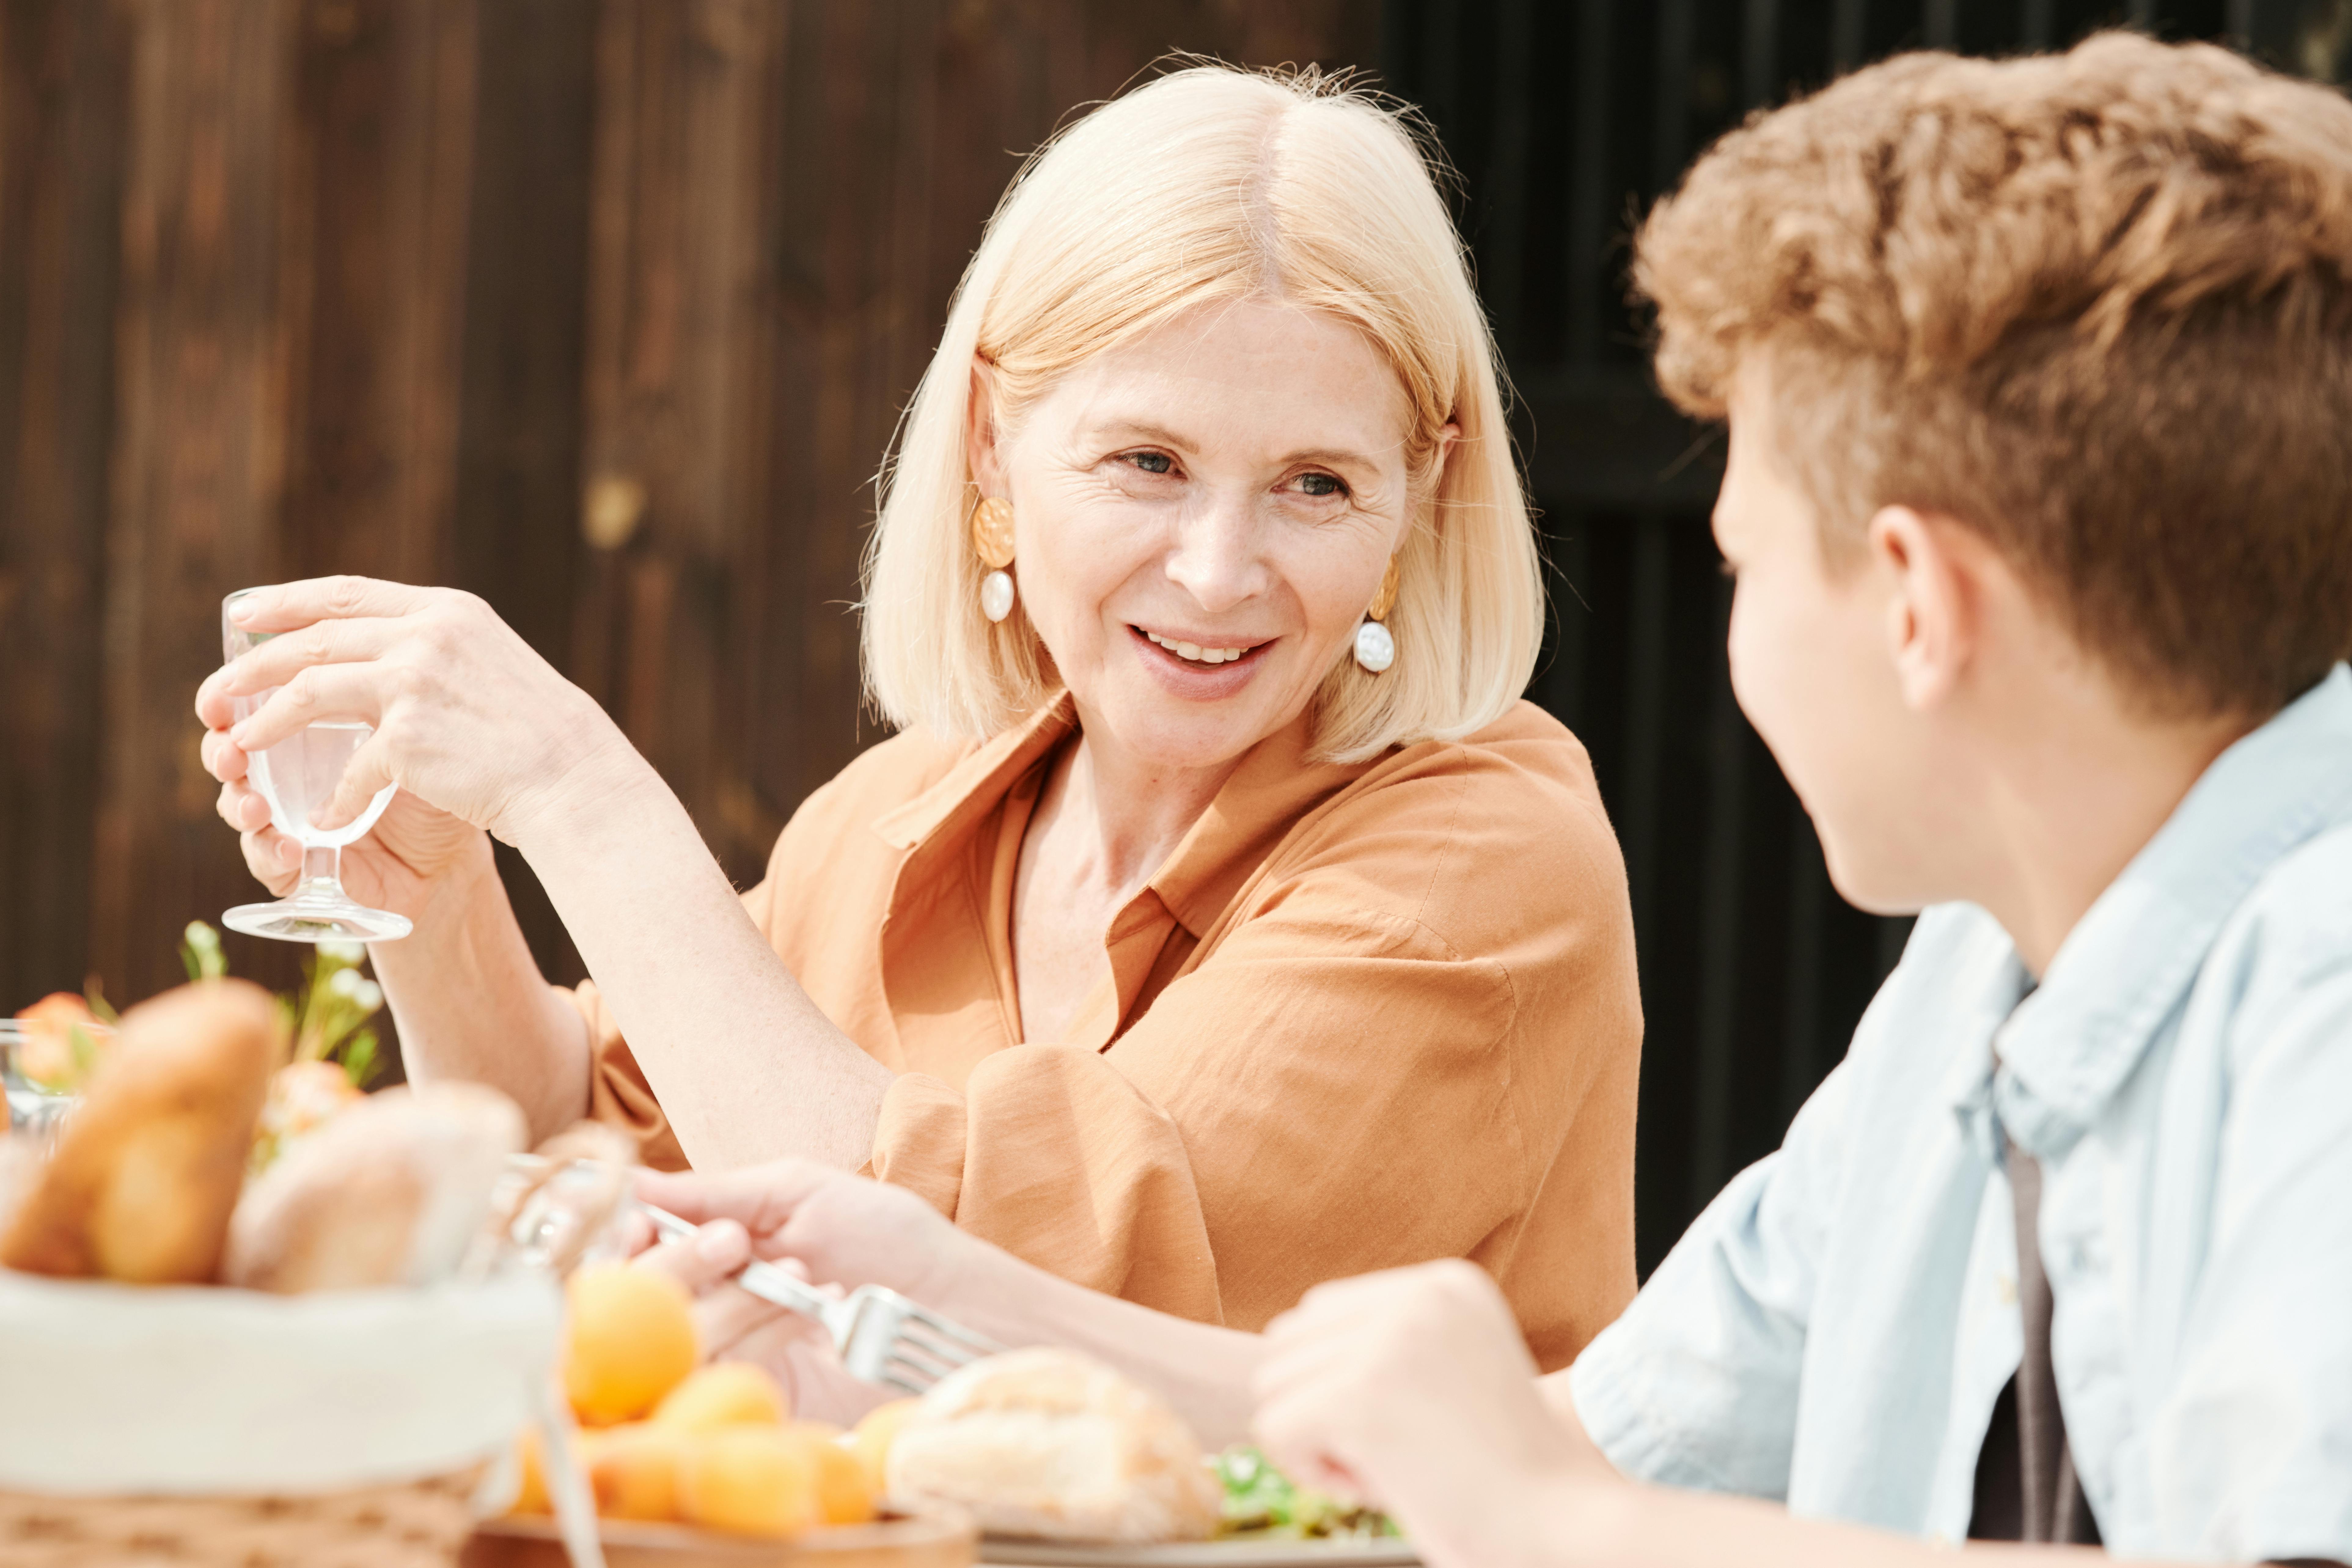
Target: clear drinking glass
{"type": "Point", "coordinates": [43, 1066]}
{"type": "Point", "coordinates": [297, 776]}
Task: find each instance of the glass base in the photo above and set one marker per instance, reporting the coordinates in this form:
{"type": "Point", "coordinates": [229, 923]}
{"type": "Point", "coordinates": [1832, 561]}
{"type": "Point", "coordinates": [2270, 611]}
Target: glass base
{"type": "Point", "coordinates": [316, 915]}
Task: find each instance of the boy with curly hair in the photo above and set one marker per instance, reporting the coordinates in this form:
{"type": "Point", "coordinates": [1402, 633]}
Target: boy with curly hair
{"type": "Point", "coordinates": [2038, 379]}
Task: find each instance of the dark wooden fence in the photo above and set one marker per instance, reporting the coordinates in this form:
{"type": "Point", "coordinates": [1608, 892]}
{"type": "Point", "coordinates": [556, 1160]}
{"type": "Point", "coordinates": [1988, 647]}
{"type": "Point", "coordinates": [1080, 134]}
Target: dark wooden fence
{"type": "Point", "coordinates": [604, 309]}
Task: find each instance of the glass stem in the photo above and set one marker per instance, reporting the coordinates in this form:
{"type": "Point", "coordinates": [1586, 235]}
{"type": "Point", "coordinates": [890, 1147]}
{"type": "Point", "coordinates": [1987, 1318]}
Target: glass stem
{"type": "Point", "coordinates": [322, 869]}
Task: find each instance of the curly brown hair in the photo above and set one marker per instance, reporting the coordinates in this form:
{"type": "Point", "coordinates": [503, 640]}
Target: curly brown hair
{"type": "Point", "coordinates": [2096, 305]}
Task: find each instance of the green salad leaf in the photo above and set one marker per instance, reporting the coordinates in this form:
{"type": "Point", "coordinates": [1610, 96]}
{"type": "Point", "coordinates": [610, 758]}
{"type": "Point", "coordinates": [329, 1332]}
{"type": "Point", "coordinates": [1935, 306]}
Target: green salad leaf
{"type": "Point", "coordinates": [1260, 1500]}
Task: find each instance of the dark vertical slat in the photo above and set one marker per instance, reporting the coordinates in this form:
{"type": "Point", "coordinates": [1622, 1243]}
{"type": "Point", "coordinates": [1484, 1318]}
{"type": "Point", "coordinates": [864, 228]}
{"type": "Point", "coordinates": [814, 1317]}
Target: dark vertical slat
{"type": "Point", "coordinates": [680, 352]}
{"type": "Point", "coordinates": [197, 458]}
{"type": "Point", "coordinates": [1720, 935]}
{"type": "Point", "coordinates": [63, 68]}
{"type": "Point", "coordinates": [1939, 22]}
{"type": "Point", "coordinates": [1893, 931]}
{"type": "Point", "coordinates": [1847, 19]}
{"type": "Point", "coordinates": [1759, 51]}
{"type": "Point", "coordinates": [1565, 681]}
{"type": "Point", "coordinates": [1588, 195]}
{"type": "Point", "coordinates": [1670, 110]}
{"type": "Point", "coordinates": [516, 505]}
{"type": "Point", "coordinates": [375, 212]}
{"type": "Point", "coordinates": [1645, 736]}
{"type": "Point", "coordinates": [1802, 1047]}
{"type": "Point", "coordinates": [2037, 22]}
{"type": "Point", "coordinates": [1502, 269]}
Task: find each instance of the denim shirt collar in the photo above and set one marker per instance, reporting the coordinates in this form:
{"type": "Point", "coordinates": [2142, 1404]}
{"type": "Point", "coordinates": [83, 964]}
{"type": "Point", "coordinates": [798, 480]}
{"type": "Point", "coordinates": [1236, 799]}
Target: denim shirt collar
{"type": "Point", "coordinates": [2066, 1049]}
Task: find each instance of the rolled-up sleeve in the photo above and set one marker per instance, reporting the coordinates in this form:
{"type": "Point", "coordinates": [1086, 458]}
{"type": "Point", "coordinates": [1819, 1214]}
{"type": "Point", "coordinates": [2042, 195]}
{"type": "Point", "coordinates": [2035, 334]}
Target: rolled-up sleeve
{"type": "Point", "coordinates": [618, 1093]}
{"type": "Point", "coordinates": [1695, 1385]}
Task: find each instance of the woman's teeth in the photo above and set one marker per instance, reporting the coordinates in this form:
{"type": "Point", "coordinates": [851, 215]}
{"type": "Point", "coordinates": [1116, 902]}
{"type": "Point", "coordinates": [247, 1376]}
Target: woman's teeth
{"type": "Point", "coordinates": [1195, 652]}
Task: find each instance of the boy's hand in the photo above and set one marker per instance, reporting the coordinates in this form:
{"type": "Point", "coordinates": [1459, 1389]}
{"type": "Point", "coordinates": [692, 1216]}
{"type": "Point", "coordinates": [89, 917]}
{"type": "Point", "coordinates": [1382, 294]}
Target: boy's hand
{"type": "Point", "coordinates": [1413, 1391]}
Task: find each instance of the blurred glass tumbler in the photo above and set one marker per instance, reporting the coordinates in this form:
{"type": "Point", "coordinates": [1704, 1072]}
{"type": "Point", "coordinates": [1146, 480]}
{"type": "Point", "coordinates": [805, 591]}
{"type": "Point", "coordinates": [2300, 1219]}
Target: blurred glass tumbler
{"type": "Point", "coordinates": [297, 776]}
{"type": "Point", "coordinates": [43, 1066]}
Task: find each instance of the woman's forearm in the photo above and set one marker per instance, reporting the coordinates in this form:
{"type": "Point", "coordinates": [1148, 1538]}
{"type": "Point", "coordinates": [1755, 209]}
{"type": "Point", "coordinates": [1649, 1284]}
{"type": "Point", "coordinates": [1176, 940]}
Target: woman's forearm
{"type": "Point", "coordinates": [470, 1002]}
{"type": "Point", "coordinates": [746, 1066]}
{"type": "Point", "coordinates": [1206, 1371]}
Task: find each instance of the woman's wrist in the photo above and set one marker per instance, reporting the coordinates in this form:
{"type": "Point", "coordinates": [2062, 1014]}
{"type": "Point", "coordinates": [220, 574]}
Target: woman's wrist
{"type": "Point", "coordinates": [600, 791]}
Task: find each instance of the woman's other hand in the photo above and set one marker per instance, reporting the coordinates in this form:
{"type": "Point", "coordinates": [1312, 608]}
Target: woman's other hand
{"type": "Point", "coordinates": [1412, 1390]}
{"type": "Point", "coordinates": [843, 1229]}
{"type": "Point", "coordinates": [468, 716]}
{"type": "Point", "coordinates": [734, 1325]}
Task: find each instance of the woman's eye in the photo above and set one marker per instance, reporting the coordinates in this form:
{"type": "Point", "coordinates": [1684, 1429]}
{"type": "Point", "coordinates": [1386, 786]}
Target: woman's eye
{"type": "Point", "coordinates": [1321, 485]}
{"type": "Point", "coordinates": [1151, 462]}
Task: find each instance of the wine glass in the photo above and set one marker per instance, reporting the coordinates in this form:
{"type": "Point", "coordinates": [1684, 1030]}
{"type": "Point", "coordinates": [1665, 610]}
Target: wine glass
{"type": "Point", "coordinates": [297, 776]}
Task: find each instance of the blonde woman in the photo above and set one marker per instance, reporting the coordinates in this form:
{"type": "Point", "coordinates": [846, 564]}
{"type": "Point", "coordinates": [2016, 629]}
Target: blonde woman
{"type": "Point", "coordinates": [1220, 921]}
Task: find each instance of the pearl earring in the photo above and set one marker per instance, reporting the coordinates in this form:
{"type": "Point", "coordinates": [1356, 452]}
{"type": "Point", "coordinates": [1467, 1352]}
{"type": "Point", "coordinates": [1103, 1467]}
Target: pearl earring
{"type": "Point", "coordinates": [1375, 644]}
{"type": "Point", "coordinates": [992, 541]}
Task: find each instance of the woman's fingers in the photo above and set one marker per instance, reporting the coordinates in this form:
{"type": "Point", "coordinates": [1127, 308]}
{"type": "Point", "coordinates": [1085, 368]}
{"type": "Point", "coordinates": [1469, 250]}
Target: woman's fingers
{"type": "Point", "coordinates": [367, 772]}
{"type": "Point", "coordinates": [760, 1198]}
{"type": "Point", "coordinates": [276, 662]}
{"type": "Point", "coordinates": [242, 807]}
{"type": "Point", "coordinates": [352, 694]}
{"type": "Point", "coordinates": [287, 607]}
{"type": "Point", "coordinates": [275, 860]}
{"type": "Point", "coordinates": [222, 757]}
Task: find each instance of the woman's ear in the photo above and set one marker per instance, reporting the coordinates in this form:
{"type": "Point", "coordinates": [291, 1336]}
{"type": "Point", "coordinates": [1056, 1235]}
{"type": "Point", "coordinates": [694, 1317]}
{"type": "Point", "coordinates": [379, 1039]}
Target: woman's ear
{"type": "Point", "coordinates": [1935, 606]}
{"type": "Point", "coordinates": [980, 431]}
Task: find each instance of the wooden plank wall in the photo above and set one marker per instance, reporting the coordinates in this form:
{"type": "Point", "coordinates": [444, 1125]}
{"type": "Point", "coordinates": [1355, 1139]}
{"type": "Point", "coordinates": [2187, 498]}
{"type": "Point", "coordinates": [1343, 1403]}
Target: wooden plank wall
{"type": "Point", "coordinates": [604, 311]}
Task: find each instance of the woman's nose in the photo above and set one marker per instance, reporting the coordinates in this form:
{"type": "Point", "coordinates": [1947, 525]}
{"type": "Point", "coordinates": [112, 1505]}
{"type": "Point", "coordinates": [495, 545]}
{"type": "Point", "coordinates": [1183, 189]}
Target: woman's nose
{"type": "Point", "coordinates": [1218, 556]}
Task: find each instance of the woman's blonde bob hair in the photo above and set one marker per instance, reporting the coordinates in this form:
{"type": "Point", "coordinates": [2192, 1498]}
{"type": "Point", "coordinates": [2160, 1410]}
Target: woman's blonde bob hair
{"type": "Point", "coordinates": [1215, 183]}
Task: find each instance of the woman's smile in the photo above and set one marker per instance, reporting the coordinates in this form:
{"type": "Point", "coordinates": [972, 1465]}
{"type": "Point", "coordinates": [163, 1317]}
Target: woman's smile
{"type": "Point", "coordinates": [1201, 670]}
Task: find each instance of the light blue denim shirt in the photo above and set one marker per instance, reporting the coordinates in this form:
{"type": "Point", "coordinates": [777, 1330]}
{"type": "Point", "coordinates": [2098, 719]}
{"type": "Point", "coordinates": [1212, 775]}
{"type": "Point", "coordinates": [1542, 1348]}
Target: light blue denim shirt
{"type": "Point", "coordinates": [1835, 1328]}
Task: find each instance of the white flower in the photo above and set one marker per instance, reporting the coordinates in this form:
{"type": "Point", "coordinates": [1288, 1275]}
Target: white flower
{"type": "Point", "coordinates": [343, 951]}
{"type": "Point", "coordinates": [355, 988]}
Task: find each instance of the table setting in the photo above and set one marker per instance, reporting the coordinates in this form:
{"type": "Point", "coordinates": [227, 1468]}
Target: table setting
{"type": "Point", "coordinates": [253, 1313]}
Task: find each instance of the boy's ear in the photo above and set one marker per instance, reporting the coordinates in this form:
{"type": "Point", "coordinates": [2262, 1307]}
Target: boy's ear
{"type": "Point", "coordinates": [980, 430]}
{"type": "Point", "coordinates": [1933, 610]}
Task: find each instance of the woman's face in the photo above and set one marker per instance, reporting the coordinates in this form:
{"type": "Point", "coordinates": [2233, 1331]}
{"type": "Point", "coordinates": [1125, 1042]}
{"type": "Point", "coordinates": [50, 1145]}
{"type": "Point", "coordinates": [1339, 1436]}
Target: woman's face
{"type": "Point", "coordinates": [1201, 517]}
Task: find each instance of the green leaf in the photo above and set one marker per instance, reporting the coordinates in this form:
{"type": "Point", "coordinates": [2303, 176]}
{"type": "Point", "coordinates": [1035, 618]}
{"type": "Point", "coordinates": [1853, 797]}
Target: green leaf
{"type": "Point", "coordinates": [359, 1058]}
{"type": "Point", "coordinates": [201, 952]}
{"type": "Point", "coordinates": [91, 994]}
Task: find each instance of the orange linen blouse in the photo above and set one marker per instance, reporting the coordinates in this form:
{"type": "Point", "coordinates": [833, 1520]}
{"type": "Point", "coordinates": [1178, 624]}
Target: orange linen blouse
{"type": "Point", "coordinates": [1365, 1015]}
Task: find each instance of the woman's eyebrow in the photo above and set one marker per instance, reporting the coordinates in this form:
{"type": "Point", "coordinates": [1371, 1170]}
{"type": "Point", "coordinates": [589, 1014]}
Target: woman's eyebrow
{"type": "Point", "coordinates": [1160, 436]}
{"type": "Point", "coordinates": [1138, 430]}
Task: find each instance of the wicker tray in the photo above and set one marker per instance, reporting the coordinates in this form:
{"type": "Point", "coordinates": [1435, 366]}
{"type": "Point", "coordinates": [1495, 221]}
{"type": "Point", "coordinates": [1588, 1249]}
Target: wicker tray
{"type": "Point", "coordinates": [417, 1526]}
{"type": "Point", "coordinates": [892, 1543]}
{"type": "Point", "coordinates": [1239, 1553]}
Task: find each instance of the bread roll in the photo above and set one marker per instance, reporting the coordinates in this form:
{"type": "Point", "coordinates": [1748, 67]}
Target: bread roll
{"type": "Point", "coordinates": [1050, 1444]}
{"type": "Point", "coordinates": [390, 1192]}
{"type": "Point", "coordinates": [148, 1166]}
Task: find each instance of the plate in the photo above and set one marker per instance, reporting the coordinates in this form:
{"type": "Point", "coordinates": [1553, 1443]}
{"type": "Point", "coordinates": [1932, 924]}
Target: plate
{"type": "Point", "coordinates": [892, 1543]}
{"type": "Point", "coordinates": [1387, 1552]}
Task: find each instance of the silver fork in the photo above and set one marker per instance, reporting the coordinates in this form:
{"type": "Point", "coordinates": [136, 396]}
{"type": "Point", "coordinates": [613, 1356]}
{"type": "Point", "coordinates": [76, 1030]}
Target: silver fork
{"type": "Point", "coordinates": [880, 1336]}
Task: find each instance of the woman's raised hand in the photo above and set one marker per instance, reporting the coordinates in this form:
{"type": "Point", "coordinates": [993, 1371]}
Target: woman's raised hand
{"type": "Point", "coordinates": [468, 719]}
